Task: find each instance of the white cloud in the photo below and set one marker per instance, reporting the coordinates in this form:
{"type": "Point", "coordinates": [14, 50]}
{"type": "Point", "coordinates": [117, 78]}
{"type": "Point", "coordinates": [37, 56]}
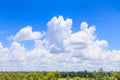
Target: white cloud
{"type": "Point", "coordinates": [1, 45]}
{"type": "Point", "coordinates": [58, 30]}
{"type": "Point", "coordinates": [26, 33]}
{"type": "Point", "coordinates": [4, 53]}
{"type": "Point", "coordinates": [17, 51]}
{"type": "Point", "coordinates": [60, 49]}
{"type": "Point", "coordinates": [84, 26]}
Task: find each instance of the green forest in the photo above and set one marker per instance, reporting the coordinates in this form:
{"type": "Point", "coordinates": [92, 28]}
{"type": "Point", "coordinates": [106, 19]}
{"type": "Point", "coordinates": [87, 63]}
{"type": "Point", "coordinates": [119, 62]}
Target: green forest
{"type": "Point", "coordinates": [63, 75]}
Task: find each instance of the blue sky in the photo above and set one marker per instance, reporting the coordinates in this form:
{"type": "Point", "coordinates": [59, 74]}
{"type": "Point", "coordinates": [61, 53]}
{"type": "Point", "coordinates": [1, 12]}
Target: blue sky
{"type": "Point", "coordinates": [15, 15]}
{"type": "Point", "coordinates": [104, 14]}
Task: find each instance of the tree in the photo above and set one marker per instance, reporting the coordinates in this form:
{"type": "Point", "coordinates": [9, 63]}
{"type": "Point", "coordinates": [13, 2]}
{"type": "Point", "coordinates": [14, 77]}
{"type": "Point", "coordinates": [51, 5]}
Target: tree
{"type": "Point", "coordinates": [94, 74]}
{"type": "Point", "coordinates": [116, 75]}
{"type": "Point", "coordinates": [57, 74]}
{"type": "Point", "coordinates": [50, 76]}
{"type": "Point", "coordinates": [68, 78]}
{"type": "Point", "coordinates": [100, 73]}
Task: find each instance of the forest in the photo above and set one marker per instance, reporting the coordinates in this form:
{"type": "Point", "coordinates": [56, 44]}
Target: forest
{"type": "Point", "coordinates": [63, 75]}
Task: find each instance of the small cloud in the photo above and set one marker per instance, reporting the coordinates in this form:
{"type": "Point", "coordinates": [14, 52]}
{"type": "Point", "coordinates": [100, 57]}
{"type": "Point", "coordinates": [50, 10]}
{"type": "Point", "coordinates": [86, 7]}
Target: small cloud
{"type": "Point", "coordinates": [83, 26]}
{"type": "Point", "coordinates": [2, 32]}
{"type": "Point", "coordinates": [26, 33]}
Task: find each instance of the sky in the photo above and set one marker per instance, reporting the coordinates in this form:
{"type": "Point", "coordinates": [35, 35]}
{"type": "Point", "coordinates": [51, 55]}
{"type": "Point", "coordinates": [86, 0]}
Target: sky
{"type": "Point", "coordinates": [65, 35]}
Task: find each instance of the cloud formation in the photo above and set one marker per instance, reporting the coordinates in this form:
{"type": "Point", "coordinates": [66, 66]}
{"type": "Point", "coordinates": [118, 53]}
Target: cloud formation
{"type": "Point", "coordinates": [58, 30]}
{"type": "Point", "coordinates": [26, 33]}
{"type": "Point", "coordinates": [59, 49]}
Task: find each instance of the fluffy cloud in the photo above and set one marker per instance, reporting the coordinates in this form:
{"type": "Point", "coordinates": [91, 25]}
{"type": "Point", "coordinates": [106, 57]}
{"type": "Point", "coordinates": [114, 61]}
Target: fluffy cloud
{"type": "Point", "coordinates": [4, 53]}
{"type": "Point", "coordinates": [60, 49]}
{"type": "Point", "coordinates": [26, 33]}
{"type": "Point", "coordinates": [58, 30]}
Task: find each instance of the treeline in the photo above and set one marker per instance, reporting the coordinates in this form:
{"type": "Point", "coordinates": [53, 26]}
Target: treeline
{"type": "Point", "coordinates": [95, 75]}
{"type": "Point", "coordinates": [80, 75]}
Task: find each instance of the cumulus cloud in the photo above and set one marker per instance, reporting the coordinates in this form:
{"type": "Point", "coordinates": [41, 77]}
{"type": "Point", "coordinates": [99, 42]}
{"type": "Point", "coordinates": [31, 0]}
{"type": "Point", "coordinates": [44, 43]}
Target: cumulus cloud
{"type": "Point", "coordinates": [26, 33]}
{"type": "Point", "coordinates": [58, 30]}
{"type": "Point", "coordinates": [4, 53]}
{"type": "Point", "coordinates": [60, 49]}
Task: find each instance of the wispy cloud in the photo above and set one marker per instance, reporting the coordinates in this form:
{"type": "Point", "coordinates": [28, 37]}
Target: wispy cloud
{"type": "Point", "coordinates": [2, 32]}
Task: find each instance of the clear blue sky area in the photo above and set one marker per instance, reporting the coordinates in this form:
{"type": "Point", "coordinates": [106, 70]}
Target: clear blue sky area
{"type": "Point", "coordinates": [104, 14]}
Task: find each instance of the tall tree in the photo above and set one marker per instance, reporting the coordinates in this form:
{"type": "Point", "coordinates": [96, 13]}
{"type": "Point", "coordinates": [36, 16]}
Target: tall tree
{"type": "Point", "coordinates": [94, 74]}
{"type": "Point", "coordinates": [100, 73]}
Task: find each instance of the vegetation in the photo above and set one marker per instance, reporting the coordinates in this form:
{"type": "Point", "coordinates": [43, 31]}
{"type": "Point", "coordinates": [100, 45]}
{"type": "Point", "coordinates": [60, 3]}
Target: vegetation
{"type": "Point", "coordinates": [80, 75]}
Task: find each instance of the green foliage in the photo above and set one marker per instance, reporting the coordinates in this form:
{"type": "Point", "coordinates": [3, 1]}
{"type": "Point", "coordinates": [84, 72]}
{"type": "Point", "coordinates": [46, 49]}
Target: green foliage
{"type": "Point", "coordinates": [116, 75]}
{"type": "Point", "coordinates": [68, 78]}
{"type": "Point", "coordinates": [81, 75]}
